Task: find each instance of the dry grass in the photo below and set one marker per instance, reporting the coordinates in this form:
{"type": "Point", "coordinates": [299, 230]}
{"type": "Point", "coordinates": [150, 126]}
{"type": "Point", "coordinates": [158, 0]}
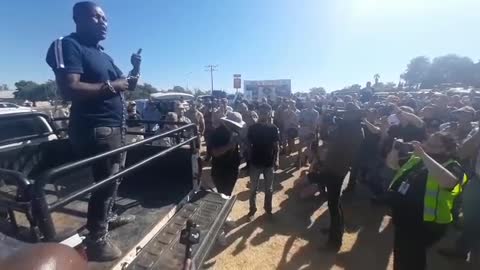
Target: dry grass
{"type": "Point", "coordinates": [293, 239]}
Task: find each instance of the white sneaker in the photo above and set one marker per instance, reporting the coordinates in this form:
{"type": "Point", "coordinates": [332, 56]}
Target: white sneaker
{"type": "Point", "coordinates": [230, 224]}
{"type": "Point", "coordinates": [222, 239]}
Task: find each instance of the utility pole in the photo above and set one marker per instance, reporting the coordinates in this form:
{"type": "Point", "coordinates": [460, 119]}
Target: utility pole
{"type": "Point", "coordinates": [187, 78]}
{"type": "Point", "coordinates": [211, 68]}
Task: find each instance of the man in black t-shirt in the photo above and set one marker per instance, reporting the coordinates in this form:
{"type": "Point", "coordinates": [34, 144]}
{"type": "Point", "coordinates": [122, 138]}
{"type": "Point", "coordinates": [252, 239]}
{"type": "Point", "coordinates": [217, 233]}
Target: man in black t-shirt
{"type": "Point", "coordinates": [263, 142]}
{"type": "Point", "coordinates": [87, 76]}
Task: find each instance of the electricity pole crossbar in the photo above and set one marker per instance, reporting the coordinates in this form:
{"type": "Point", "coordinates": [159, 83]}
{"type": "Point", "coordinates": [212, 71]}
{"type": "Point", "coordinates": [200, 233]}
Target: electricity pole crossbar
{"type": "Point", "coordinates": [211, 69]}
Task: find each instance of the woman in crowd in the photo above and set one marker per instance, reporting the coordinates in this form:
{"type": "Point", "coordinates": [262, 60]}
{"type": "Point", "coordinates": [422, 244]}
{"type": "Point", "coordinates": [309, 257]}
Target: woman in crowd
{"type": "Point", "coordinates": [421, 197]}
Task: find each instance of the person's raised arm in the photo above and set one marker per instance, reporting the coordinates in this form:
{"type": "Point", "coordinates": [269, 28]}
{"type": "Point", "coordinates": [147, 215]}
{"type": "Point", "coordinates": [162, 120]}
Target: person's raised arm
{"type": "Point", "coordinates": [442, 175]}
{"type": "Point", "coordinates": [374, 129]}
{"type": "Point", "coordinates": [393, 159]}
{"type": "Point", "coordinates": [469, 146]}
{"type": "Point", "coordinates": [410, 118]}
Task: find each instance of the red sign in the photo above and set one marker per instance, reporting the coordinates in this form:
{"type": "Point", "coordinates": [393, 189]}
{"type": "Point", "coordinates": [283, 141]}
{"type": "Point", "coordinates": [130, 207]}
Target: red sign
{"type": "Point", "coordinates": [237, 81]}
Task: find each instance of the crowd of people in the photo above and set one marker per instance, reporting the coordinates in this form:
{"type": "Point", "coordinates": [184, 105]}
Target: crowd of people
{"type": "Point", "coordinates": [416, 152]}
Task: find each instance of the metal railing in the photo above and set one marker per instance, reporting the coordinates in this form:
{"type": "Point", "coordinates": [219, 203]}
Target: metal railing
{"type": "Point", "coordinates": [22, 183]}
{"type": "Point", "coordinates": [42, 209]}
{"type": "Point", "coordinates": [131, 121]}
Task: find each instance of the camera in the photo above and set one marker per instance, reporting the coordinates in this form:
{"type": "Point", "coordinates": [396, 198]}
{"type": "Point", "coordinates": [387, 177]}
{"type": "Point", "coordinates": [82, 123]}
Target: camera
{"type": "Point", "coordinates": [403, 147]}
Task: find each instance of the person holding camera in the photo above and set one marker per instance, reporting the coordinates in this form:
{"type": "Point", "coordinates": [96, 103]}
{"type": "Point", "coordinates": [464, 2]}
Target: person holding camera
{"type": "Point", "coordinates": [421, 196]}
{"type": "Point", "coordinates": [341, 151]}
{"type": "Point", "coordinates": [469, 239]}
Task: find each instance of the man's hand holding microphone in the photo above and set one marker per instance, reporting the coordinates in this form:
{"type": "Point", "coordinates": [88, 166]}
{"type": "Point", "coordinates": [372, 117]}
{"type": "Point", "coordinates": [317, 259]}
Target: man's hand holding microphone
{"type": "Point", "coordinates": [129, 83]}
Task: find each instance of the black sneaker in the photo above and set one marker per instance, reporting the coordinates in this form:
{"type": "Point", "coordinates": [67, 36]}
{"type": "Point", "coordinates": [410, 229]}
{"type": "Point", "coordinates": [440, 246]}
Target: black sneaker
{"type": "Point", "coordinates": [270, 217]}
{"type": "Point", "coordinates": [118, 221]}
{"type": "Point", "coordinates": [102, 250]}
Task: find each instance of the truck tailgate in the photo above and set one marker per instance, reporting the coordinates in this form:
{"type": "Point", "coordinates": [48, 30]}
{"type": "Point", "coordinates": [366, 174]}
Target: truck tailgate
{"type": "Point", "coordinates": [164, 251]}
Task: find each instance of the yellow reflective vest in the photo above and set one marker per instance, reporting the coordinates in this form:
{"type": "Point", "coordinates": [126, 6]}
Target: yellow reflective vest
{"type": "Point", "coordinates": [438, 201]}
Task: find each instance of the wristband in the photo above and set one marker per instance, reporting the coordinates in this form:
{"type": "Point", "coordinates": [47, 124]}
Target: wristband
{"type": "Point", "coordinates": [133, 77]}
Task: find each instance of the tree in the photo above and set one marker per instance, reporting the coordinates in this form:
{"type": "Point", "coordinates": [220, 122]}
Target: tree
{"type": "Point", "coordinates": [417, 71]}
{"type": "Point", "coordinates": [349, 89]}
{"type": "Point", "coordinates": [450, 69]}
{"type": "Point", "coordinates": [318, 91]}
{"type": "Point", "coordinates": [199, 92]}
{"type": "Point", "coordinates": [376, 77]}
{"type": "Point", "coordinates": [142, 91]}
{"type": "Point", "coordinates": [179, 89]}
{"type": "Point", "coordinates": [386, 87]}
{"type": "Point", "coordinates": [4, 87]}
{"type": "Point", "coordinates": [24, 89]}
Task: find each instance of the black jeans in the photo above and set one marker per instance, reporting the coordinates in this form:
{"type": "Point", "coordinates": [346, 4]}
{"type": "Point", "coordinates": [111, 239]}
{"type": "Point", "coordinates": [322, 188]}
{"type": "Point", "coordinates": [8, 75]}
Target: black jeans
{"type": "Point", "coordinates": [411, 243]}
{"type": "Point", "coordinates": [333, 183]}
{"type": "Point", "coordinates": [89, 142]}
{"type": "Point", "coordinates": [225, 182]}
{"type": "Point", "coordinates": [334, 188]}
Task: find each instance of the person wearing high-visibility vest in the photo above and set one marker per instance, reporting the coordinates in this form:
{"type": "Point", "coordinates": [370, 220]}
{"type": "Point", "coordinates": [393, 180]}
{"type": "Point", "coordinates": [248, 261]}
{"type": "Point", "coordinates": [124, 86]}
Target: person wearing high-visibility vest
{"type": "Point", "coordinates": [421, 196]}
{"type": "Point", "coordinates": [467, 245]}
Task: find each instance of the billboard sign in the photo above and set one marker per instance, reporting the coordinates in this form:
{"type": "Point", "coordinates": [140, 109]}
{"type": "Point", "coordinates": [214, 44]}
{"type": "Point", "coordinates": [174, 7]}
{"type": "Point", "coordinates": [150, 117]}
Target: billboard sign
{"type": "Point", "coordinates": [270, 89]}
{"type": "Point", "coordinates": [237, 81]}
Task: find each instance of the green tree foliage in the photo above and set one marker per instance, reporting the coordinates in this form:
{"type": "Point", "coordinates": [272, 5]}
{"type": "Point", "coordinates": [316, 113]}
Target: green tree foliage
{"type": "Point", "coordinates": [199, 92]}
{"type": "Point", "coordinates": [350, 89]}
{"type": "Point", "coordinates": [318, 91]}
{"type": "Point", "coordinates": [179, 89]}
{"type": "Point", "coordinates": [35, 92]}
{"type": "Point", "coordinates": [142, 91]}
{"type": "Point", "coordinates": [386, 87]}
{"type": "Point", "coordinates": [417, 71]}
{"type": "Point", "coordinates": [449, 69]}
{"type": "Point", "coordinates": [4, 87]}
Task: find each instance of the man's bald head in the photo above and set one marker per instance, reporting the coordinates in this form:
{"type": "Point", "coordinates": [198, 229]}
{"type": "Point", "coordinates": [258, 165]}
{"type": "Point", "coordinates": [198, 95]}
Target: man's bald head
{"type": "Point", "coordinates": [43, 256]}
{"type": "Point", "coordinates": [80, 9]}
{"type": "Point", "coordinates": [90, 20]}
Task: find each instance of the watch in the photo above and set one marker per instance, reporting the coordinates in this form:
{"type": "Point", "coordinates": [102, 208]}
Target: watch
{"type": "Point", "coordinates": [108, 85]}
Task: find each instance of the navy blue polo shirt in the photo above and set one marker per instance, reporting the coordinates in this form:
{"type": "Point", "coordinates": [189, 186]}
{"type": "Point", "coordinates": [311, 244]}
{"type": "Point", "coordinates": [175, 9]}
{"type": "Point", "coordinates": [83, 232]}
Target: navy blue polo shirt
{"type": "Point", "coordinates": [73, 54]}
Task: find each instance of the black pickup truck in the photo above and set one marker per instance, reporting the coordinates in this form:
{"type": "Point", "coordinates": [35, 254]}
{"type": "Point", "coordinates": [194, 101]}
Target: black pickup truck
{"type": "Point", "coordinates": [44, 195]}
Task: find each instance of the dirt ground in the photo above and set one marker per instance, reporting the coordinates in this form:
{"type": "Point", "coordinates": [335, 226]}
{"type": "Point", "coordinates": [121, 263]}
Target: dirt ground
{"type": "Point", "coordinates": [293, 240]}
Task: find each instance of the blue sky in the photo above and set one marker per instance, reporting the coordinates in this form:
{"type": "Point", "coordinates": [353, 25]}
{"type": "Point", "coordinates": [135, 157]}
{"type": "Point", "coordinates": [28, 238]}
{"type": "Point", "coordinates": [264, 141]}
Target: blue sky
{"type": "Point", "coordinates": [330, 43]}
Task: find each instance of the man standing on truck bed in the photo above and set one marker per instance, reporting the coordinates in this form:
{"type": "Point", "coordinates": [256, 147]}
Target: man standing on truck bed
{"type": "Point", "coordinates": [87, 76]}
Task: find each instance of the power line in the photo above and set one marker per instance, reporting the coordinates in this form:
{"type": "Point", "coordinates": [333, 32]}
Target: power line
{"type": "Point", "coordinates": [211, 69]}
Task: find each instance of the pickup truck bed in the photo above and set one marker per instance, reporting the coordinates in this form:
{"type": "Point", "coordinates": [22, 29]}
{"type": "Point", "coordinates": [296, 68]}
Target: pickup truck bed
{"type": "Point", "coordinates": [160, 195]}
